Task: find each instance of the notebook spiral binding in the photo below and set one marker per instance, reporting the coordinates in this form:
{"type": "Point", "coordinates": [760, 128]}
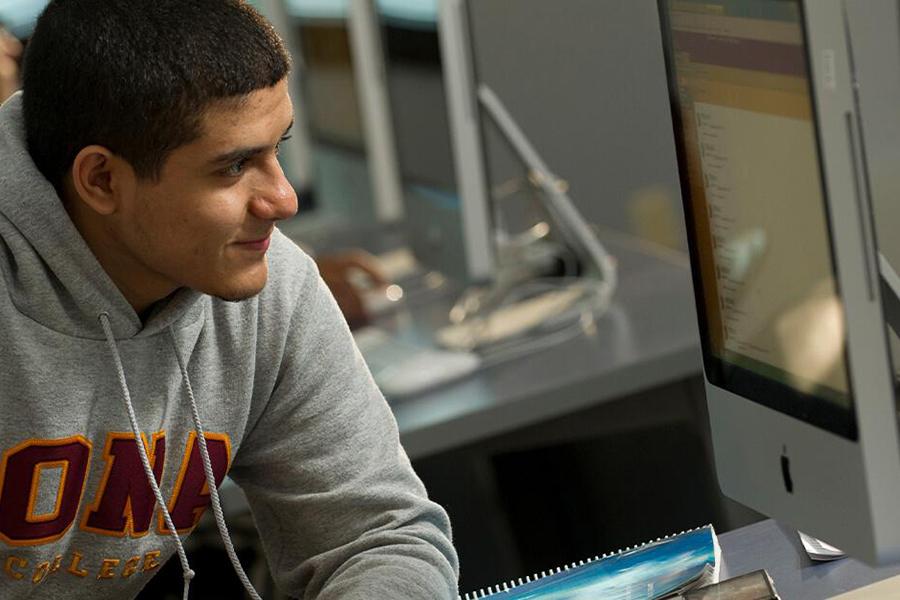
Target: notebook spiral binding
{"type": "Point", "coordinates": [513, 583]}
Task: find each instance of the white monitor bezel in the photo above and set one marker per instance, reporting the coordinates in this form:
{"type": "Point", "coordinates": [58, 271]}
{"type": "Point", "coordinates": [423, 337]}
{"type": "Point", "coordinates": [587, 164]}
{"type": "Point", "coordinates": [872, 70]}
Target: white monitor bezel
{"type": "Point", "coordinates": [378, 132]}
{"type": "Point", "coordinates": [465, 134]}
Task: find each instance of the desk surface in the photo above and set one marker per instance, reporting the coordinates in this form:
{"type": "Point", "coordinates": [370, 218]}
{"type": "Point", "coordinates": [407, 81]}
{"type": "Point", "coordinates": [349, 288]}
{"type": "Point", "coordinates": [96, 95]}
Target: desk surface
{"type": "Point", "coordinates": [777, 549]}
{"type": "Point", "coordinates": [648, 338]}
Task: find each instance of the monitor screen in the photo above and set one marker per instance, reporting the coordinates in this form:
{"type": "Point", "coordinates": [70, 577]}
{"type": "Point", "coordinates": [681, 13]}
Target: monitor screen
{"type": "Point", "coordinates": [329, 81]}
{"type": "Point", "coordinates": [410, 13]}
{"type": "Point", "coordinates": [771, 316]}
{"type": "Point", "coordinates": [416, 88]}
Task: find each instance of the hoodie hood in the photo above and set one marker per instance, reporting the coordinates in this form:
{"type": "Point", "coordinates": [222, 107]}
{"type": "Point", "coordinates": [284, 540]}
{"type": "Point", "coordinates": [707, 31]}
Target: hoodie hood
{"type": "Point", "coordinates": [52, 275]}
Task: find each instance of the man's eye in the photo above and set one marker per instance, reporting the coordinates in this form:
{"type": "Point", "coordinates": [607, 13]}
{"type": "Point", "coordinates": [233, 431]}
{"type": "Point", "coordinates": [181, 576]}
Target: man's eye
{"type": "Point", "coordinates": [235, 168]}
{"type": "Point", "coordinates": [282, 140]}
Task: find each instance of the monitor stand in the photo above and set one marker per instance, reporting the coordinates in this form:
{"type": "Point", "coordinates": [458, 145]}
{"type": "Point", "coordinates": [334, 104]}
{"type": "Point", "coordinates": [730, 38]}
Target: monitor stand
{"type": "Point", "coordinates": [600, 273]}
{"type": "Point", "coordinates": [818, 550]}
{"type": "Point", "coordinates": [567, 219]}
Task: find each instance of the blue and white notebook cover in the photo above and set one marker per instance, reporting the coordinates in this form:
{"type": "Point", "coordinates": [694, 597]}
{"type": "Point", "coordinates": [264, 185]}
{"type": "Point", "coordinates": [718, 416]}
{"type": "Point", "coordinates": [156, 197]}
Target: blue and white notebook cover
{"type": "Point", "coordinates": [656, 569]}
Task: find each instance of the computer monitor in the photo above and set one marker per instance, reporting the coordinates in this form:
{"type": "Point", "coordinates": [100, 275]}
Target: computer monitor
{"type": "Point", "coordinates": [341, 106]}
{"type": "Point", "coordinates": [330, 103]}
{"type": "Point", "coordinates": [330, 92]}
{"type": "Point", "coordinates": [295, 156]}
{"type": "Point", "coordinates": [449, 230]}
{"type": "Point", "coordinates": [776, 198]}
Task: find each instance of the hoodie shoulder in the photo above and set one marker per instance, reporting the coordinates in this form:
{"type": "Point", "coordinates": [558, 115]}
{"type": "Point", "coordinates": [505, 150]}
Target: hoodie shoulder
{"type": "Point", "coordinates": [293, 284]}
{"type": "Point", "coordinates": [293, 278]}
{"type": "Point", "coordinates": [290, 268]}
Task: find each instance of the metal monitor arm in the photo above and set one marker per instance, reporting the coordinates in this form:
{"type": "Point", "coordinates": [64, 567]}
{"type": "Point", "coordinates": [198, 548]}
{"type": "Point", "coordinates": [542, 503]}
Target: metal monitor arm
{"type": "Point", "coordinates": [569, 221]}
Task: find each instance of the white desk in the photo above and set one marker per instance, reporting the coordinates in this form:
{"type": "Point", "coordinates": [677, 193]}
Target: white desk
{"type": "Point", "coordinates": [776, 548]}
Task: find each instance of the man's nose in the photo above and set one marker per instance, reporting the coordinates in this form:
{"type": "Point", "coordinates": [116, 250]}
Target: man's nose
{"type": "Point", "coordinates": [276, 199]}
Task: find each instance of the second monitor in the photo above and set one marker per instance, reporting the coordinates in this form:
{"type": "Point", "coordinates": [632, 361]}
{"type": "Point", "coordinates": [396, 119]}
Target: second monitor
{"type": "Point", "coordinates": [776, 186]}
{"type": "Point", "coordinates": [449, 231]}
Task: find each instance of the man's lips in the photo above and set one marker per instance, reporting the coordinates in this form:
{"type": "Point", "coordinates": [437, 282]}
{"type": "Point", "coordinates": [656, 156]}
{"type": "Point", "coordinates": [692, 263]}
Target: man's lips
{"type": "Point", "coordinates": [258, 245]}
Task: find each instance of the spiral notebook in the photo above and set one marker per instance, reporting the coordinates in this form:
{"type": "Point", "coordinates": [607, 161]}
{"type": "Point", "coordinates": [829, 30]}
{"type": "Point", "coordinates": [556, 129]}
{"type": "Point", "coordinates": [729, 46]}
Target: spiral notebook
{"type": "Point", "coordinates": [656, 569]}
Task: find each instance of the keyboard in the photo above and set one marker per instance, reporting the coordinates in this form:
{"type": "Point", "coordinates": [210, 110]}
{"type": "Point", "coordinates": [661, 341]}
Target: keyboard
{"type": "Point", "coordinates": [509, 321]}
{"type": "Point", "coordinates": [402, 369]}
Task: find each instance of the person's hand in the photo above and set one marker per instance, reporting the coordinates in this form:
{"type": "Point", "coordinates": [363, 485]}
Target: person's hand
{"type": "Point", "coordinates": [10, 51]}
{"type": "Point", "coordinates": [338, 270]}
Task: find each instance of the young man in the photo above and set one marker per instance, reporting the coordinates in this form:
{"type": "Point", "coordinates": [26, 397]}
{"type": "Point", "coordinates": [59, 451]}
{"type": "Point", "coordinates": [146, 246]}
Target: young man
{"type": "Point", "coordinates": [147, 301]}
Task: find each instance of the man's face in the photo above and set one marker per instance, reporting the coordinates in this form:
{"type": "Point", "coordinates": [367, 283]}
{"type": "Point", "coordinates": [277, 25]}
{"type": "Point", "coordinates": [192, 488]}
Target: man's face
{"type": "Point", "coordinates": [207, 222]}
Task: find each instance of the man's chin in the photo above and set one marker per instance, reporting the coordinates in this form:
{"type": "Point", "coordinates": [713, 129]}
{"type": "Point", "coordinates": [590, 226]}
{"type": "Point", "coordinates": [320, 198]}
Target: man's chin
{"type": "Point", "coordinates": [236, 298]}
{"type": "Point", "coordinates": [239, 291]}
{"type": "Point", "coordinates": [242, 283]}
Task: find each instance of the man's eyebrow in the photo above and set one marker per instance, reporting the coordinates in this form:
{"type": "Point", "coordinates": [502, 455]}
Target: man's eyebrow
{"type": "Point", "coordinates": [245, 153]}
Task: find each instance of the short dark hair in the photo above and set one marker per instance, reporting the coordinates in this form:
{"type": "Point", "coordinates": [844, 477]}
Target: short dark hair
{"type": "Point", "coordinates": [136, 76]}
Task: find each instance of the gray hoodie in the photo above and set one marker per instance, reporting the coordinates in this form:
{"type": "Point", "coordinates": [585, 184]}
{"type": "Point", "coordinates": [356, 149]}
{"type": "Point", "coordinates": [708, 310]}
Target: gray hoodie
{"type": "Point", "coordinates": [287, 405]}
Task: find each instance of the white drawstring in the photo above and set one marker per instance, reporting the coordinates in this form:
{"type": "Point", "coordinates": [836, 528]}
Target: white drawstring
{"type": "Point", "coordinates": [210, 478]}
{"type": "Point", "coordinates": [186, 570]}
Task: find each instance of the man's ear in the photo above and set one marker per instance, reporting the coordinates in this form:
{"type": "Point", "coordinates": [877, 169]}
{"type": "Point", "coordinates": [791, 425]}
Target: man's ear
{"type": "Point", "coordinates": [100, 178]}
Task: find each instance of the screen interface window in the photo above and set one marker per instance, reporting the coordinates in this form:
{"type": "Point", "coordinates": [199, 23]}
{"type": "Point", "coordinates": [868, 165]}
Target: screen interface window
{"type": "Point", "coordinates": [773, 321]}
